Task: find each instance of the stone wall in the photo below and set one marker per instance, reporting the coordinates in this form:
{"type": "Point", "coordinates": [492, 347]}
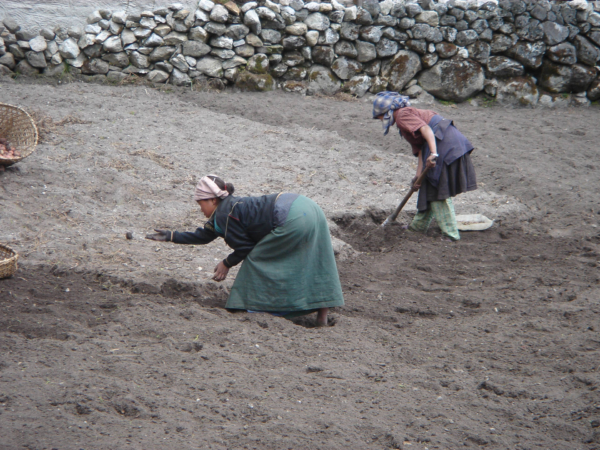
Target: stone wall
{"type": "Point", "coordinates": [38, 14]}
{"type": "Point", "coordinates": [515, 51]}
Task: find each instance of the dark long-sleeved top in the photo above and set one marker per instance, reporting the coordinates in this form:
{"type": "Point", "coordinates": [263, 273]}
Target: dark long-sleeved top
{"type": "Point", "coordinates": [241, 221]}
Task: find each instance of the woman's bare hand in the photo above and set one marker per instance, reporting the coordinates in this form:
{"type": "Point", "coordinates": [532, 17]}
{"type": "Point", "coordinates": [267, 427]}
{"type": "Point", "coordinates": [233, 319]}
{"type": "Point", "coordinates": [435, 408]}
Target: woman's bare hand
{"type": "Point", "coordinates": [221, 272]}
{"type": "Point", "coordinates": [431, 161]}
{"type": "Point", "coordinates": [413, 184]}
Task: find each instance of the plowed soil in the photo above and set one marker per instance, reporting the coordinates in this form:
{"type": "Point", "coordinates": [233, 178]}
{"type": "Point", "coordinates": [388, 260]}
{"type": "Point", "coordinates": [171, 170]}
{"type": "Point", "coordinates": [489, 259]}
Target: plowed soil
{"type": "Point", "coordinates": [106, 343]}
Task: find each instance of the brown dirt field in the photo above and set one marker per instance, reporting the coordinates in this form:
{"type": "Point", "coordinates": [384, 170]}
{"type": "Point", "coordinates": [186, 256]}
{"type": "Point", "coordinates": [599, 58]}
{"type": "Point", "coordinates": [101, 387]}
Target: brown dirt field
{"type": "Point", "coordinates": [105, 343]}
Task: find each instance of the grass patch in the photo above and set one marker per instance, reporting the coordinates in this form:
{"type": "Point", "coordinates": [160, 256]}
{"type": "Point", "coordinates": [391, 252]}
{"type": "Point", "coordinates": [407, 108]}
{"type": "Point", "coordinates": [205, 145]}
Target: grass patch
{"type": "Point", "coordinates": [447, 102]}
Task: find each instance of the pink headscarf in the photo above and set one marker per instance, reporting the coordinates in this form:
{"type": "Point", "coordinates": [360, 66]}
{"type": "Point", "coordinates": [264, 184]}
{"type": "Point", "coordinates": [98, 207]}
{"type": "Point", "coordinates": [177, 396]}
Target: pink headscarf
{"type": "Point", "coordinates": [207, 189]}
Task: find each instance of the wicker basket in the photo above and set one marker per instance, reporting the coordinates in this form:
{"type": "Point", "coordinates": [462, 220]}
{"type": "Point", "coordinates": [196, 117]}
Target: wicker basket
{"type": "Point", "coordinates": [19, 129]}
{"type": "Point", "coordinates": [8, 261]}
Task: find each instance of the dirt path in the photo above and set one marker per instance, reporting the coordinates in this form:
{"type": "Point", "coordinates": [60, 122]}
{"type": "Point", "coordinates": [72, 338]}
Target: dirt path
{"type": "Point", "coordinates": [106, 343]}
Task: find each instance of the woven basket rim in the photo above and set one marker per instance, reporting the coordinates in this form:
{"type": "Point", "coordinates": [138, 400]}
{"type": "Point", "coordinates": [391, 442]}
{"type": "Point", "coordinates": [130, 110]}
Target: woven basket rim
{"type": "Point", "coordinates": [8, 162]}
{"type": "Point", "coordinates": [11, 250]}
{"type": "Point", "coordinates": [8, 266]}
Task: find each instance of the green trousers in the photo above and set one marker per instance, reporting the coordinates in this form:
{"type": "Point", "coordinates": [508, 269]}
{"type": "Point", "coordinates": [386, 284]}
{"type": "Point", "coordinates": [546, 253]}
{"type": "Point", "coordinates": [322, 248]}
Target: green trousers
{"type": "Point", "coordinates": [443, 212]}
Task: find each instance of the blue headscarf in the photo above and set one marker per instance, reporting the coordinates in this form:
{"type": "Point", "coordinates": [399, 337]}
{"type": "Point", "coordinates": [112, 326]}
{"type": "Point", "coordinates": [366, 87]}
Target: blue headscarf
{"type": "Point", "coordinates": [386, 103]}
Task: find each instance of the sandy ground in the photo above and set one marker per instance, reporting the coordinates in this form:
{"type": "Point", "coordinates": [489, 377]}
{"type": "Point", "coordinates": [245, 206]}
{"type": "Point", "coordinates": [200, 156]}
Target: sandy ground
{"type": "Point", "coordinates": [112, 343]}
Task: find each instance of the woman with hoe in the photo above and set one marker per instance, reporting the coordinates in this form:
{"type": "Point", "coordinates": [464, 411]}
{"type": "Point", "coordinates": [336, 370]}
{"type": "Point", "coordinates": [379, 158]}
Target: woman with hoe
{"type": "Point", "coordinates": [283, 240]}
{"type": "Point", "coordinates": [440, 147]}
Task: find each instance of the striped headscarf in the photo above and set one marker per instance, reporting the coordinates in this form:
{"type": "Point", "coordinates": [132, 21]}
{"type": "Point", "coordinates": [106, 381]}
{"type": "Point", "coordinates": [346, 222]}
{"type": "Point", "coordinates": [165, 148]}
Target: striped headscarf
{"type": "Point", "coordinates": [385, 104]}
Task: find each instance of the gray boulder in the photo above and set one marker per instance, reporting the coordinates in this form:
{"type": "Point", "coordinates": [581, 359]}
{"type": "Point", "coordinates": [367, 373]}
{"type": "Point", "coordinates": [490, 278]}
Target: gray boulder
{"type": "Point", "coordinates": [8, 60]}
{"type": "Point", "coordinates": [218, 29]}
{"type": "Point", "coordinates": [429, 60]}
{"type": "Point", "coordinates": [380, 84]}
{"type": "Point", "coordinates": [366, 51]}
{"type": "Point", "coordinates": [558, 78]}
{"type": "Point", "coordinates": [244, 51]}
{"type": "Point", "coordinates": [422, 31]}
{"type": "Point", "coordinates": [358, 85]}
{"type": "Point", "coordinates": [222, 53]}
{"type": "Point", "coordinates": [446, 50]}
{"type": "Point", "coordinates": [346, 68]}
{"type": "Point", "coordinates": [11, 24]}
{"type": "Point", "coordinates": [554, 33]}
{"type": "Point", "coordinates": [95, 66]}
{"type": "Point", "coordinates": [6, 72]}
{"type": "Point", "coordinates": [345, 48]}
{"type": "Point", "coordinates": [528, 53]}
{"type": "Point", "coordinates": [154, 41]}
{"type": "Point", "coordinates": [293, 59]}
{"type": "Point", "coordinates": [237, 31]}
{"type": "Point", "coordinates": [222, 42]}
{"type": "Point", "coordinates": [517, 91]}
{"type": "Point", "coordinates": [323, 54]}
{"type": "Point", "coordinates": [161, 53]}
{"type": "Point", "coordinates": [453, 79]}
{"type": "Point", "coordinates": [328, 37]}
{"type": "Point", "coordinates": [350, 31]}
{"type": "Point", "coordinates": [363, 17]}
{"type": "Point", "coordinates": [296, 73]}
{"type": "Point", "coordinates": [175, 38]}
{"type": "Point", "coordinates": [401, 69]}
{"type": "Point", "coordinates": [582, 77]}
{"type": "Point", "coordinates": [164, 66]}
{"type": "Point", "coordinates": [36, 59]}
{"type": "Point", "coordinates": [372, 7]}
{"type": "Point", "coordinates": [179, 78]}
{"type": "Point", "coordinates": [196, 49]}
{"type": "Point", "coordinates": [479, 26]}
{"type": "Point", "coordinates": [117, 59]}
{"type": "Point", "coordinates": [219, 14]}
{"type": "Point", "coordinates": [564, 53]}
{"type": "Point", "coordinates": [138, 60]}
{"type": "Point", "coordinates": [179, 62]}
{"type": "Point", "coordinates": [479, 51]}
{"type": "Point", "coordinates": [593, 93]}
{"type": "Point", "coordinates": [312, 38]}
{"type": "Point", "coordinates": [417, 45]}
{"type": "Point", "coordinates": [317, 21]}
{"type": "Point", "coordinates": [252, 21]}
{"type": "Point", "coordinates": [278, 70]}
{"type": "Point", "coordinates": [501, 43]}
{"type": "Point", "coordinates": [236, 61]}
{"type": "Point", "coordinates": [371, 34]}
{"type": "Point", "coordinates": [26, 69]}
{"type": "Point", "coordinates": [69, 49]}
{"type": "Point", "coordinates": [127, 37]}
{"type": "Point", "coordinates": [294, 42]}
{"type": "Point", "coordinates": [502, 66]}
{"type": "Point", "coordinates": [321, 80]}
{"type": "Point", "coordinates": [258, 64]}
{"type": "Point", "coordinates": [430, 18]}
{"type": "Point", "coordinates": [113, 44]}
{"type": "Point", "coordinates": [157, 76]}
{"type": "Point", "coordinates": [210, 67]}
{"type": "Point", "coordinates": [587, 52]}
{"type": "Point", "coordinates": [594, 36]}
{"type": "Point", "coordinates": [297, 29]}
{"type": "Point", "coordinates": [248, 81]}
{"type": "Point", "coordinates": [386, 47]}
{"type": "Point", "coordinates": [466, 37]}
{"type": "Point", "coordinates": [38, 44]}
{"type": "Point", "coordinates": [270, 36]}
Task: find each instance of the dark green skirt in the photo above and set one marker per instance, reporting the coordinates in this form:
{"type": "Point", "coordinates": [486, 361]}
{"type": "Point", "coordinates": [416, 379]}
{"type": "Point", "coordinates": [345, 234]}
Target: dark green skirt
{"type": "Point", "coordinates": [292, 269]}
